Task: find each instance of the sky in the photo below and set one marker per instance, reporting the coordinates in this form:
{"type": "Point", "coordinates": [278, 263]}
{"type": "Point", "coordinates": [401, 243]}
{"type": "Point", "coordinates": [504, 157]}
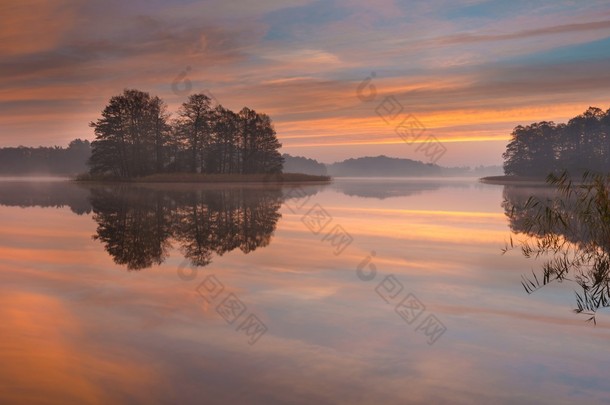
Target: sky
{"type": "Point", "coordinates": [337, 77]}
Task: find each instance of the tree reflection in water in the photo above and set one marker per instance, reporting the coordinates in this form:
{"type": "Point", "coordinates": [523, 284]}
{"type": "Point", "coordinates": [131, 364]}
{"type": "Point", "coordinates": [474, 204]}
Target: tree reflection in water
{"type": "Point", "coordinates": [138, 226]}
{"type": "Point", "coordinates": [569, 227]}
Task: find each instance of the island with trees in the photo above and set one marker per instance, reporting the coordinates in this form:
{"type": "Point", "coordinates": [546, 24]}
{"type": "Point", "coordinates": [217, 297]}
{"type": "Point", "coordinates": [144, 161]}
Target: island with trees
{"type": "Point", "coordinates": [137, 139]}
{"type": "Point", "coordinates": [582, 145]}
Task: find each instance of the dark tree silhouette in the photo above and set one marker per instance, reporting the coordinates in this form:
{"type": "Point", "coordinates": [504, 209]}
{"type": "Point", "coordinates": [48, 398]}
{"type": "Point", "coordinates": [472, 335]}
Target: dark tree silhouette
{"type": "Point", "coordinates": [130, 136]}
{"type": "Point", "coordinates": [583, 144]}
{"type": "Point", "coordinates": [259, 143]}
{"type": "Point", "coordinates": [46, 160]}
{"type": "Point", "coordinates": [223, 153]}
{"type": "Point", "coordinates": [193, 128]}
{"type": "Point", "coordinates": [133, 138]}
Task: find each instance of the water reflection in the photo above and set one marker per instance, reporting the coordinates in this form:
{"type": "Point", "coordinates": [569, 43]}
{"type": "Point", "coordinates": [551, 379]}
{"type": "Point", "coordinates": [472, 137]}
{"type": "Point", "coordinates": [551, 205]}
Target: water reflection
{"type": "Point", "coordinates": [133, 224]}
{"type": "Point", "coordinates": [568, 227]}
{"type": "Point", "coordinates": [522, 216]}
{"type": "Point", "coordinates": [139, 226]}
{"type": "Point", "coordinates": [45, 194]}
{"type": "Point", "coordinates": [382, 188]}
{"type": "Point", "coordinates": [74, 325]}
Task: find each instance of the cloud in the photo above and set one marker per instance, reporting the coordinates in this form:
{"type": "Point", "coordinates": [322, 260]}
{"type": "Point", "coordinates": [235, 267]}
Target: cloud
{"type": "Point", "coordinates": [470, 71]}
{"type": "Point", "coordinates": [31, 26]}
{"type": "Point", "coordinates": [557, 29]}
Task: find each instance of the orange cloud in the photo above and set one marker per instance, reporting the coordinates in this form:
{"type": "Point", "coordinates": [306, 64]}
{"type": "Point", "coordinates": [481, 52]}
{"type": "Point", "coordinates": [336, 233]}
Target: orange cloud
{"type": "Point", "coordinates": [30, 26]}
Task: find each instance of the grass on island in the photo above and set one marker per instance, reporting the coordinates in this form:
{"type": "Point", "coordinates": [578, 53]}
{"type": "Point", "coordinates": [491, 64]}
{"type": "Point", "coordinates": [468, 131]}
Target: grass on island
{"type": "Point", "coordinates": [210, 178]}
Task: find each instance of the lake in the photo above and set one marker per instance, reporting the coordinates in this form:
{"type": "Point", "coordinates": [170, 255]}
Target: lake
{"type": "Point", "coordinates": [363, 291]}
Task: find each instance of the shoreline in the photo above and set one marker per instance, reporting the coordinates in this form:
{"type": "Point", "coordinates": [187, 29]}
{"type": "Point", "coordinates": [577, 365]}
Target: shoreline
{"type": "Point", "coordinates": [197, 178]}
{"type": "Point", "coordinates": [514, 180]}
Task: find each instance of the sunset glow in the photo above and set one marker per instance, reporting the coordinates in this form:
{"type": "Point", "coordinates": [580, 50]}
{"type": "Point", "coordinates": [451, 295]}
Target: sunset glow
{"type": "Point", "coordinates": [469, 72]}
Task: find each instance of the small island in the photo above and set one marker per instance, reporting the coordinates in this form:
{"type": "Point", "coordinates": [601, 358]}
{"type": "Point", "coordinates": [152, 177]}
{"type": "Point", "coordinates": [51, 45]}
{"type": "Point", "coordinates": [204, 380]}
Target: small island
{"type": "Point", "coordinates": [580, 146]}
{"type": "Point", "coordinates": [137, 140]}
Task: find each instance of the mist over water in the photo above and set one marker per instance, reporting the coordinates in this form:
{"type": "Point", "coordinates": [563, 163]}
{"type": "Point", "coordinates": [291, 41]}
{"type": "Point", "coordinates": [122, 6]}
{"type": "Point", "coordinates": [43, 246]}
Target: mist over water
{"type": "Point", "coordinates": [110, 277]}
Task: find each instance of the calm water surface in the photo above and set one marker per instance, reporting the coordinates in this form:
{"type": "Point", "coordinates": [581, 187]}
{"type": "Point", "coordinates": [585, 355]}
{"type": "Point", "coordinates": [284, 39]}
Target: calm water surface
{"type": "Point", "coordinates": [359, 292]}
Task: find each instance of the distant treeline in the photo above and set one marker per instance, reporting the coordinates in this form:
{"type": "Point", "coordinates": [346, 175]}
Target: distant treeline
{"type": "Point", "coordinates": [73, 160]}
{"type": "Point", "coordinates": [382, 166]}
{"type": "Point", "coordinates": [136, 136]}
{"type": "Point", "coordinates": [300, 164]}
{"type": "Point", "coordinates": [45, 160]}
{"type": "Point", "coordinates": [583, 144]}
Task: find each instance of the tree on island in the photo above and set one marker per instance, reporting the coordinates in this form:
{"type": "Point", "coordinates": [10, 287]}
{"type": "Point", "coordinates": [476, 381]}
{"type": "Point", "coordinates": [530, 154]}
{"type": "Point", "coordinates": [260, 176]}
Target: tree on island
{"type": "Point", "coordinates": [135, 137]}
{"type": "Point", "coordinates": [193, 128]}
{"type": "Point", "coordinates": [583, 144]}
{"type": "Point", "coordinates": [130, 136]}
